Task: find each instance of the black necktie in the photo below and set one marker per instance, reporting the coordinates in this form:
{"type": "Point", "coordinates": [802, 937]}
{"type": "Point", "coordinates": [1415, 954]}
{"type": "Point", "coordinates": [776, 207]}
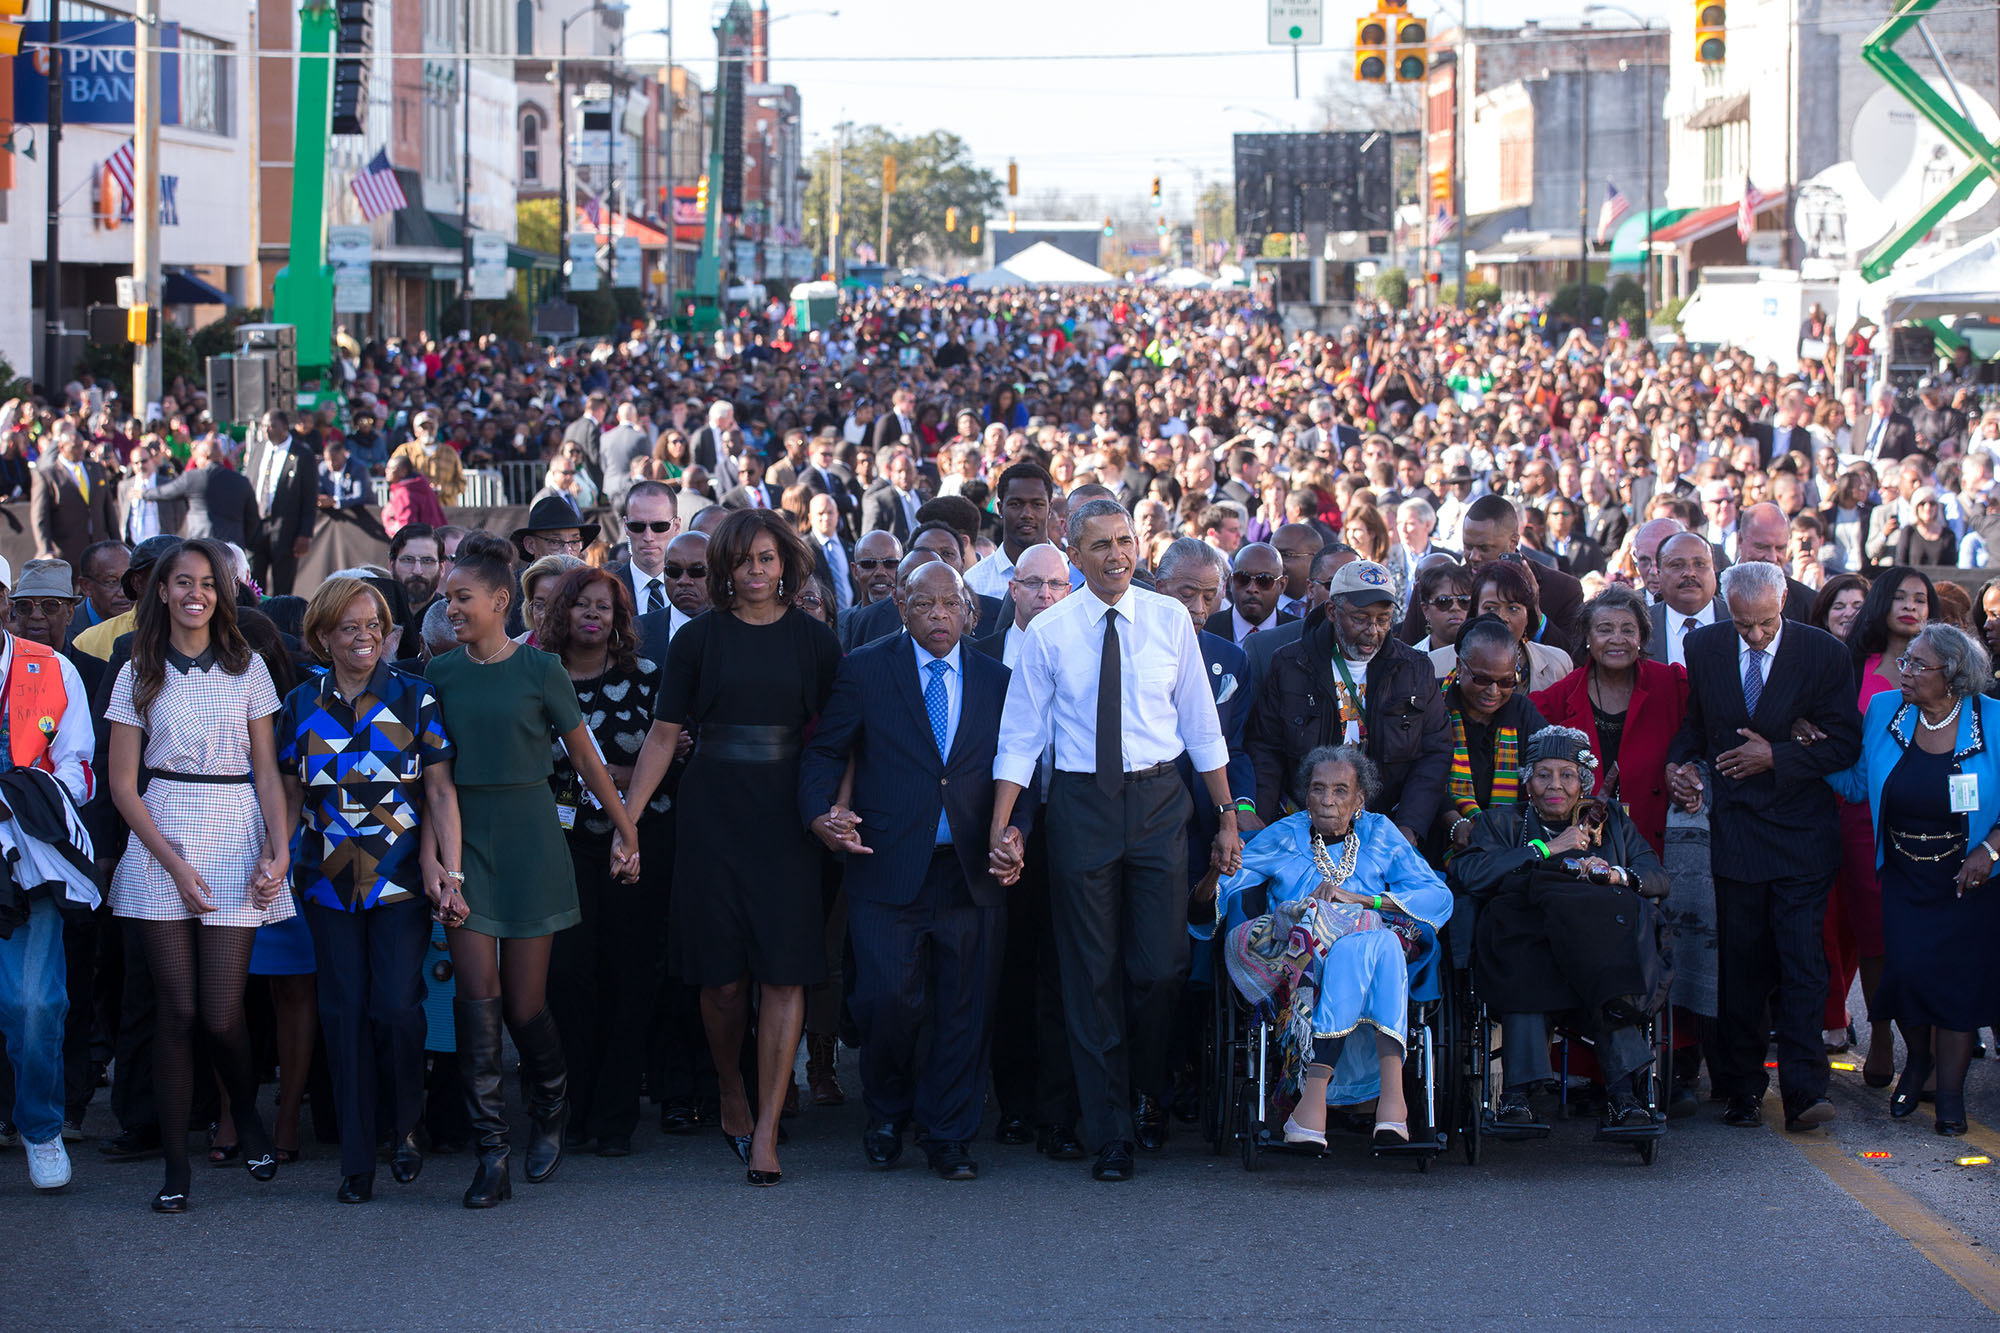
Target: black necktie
{"type": "Point", "coordinates": [1110, 714]}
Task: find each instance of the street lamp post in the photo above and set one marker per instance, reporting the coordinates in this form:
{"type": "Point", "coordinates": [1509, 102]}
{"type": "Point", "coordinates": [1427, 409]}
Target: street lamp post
{"type": "Point", "coordinates": [562, 132]}
{"type": "Point", "coordinates": [1646, 128]}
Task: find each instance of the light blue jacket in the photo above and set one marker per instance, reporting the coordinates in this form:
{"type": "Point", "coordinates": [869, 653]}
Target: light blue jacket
{"type": "Point", "coordinates": [1886, 732]}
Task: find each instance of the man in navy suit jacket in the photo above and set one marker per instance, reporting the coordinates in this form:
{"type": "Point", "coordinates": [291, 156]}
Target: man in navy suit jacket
{"type": "Point", "coordinates": [919, 715]}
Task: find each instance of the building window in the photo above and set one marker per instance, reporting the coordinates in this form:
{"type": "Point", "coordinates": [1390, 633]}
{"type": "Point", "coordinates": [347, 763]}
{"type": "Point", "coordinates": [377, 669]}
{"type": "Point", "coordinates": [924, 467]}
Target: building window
{"type": "Point", "coordinates": [531, 146]}
{"type": "Point", "coordinates": [524, 26]}
{"type": "Point", "coordinates": [204, 84]}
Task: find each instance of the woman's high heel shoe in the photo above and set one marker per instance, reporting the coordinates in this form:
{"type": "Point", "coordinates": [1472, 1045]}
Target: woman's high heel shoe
{"type": "Point", "coordinates": [740, 1145]}
{"type": "Point", "coordinates": [757, 1177]}
{"type": "Point", "coordinates": [1909, 1090]}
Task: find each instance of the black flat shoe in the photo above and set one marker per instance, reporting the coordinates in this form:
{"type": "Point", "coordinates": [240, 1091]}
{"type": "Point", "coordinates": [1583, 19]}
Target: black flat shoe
{"type": "Point", "coordinates": [738, 1144]}
{"type": "Point", "coordinates": [1059, 1143]}
{"type": "Point", "coordinates": [1744, 1113]}
{"type": "Point", "coordinates": [1909, 1090]}
{"type": "Point", "coordinates": [164, 1202]}
{"type": "Point", "coordinates": [1114, 1162]}
{"type": "Point", "coordinates": [408, 1162]}
{"type": "Point", "coordinates": [953, 1161]}
{"type": "Point", "coordinates": [882, 1143]}
{"type": "Point", "coordinates": [1949, 1128]}
{"type": "Point", "coordinates": [1013, 1131]}
{"type": "Point", "coordinates": [756, 1177]}
{"type": "Point", "coordinates": [262, 1168]}
{"type": "Point", "coordinates": [132, 1145]}
{"type": "Point", "coordinates": [356, 1189]}
{"type": "Point", "coordinates": [679, 1116]}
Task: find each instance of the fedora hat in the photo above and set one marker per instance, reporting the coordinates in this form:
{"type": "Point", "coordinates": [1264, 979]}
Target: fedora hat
{"type": "Point", "coordinates": [552, 513]}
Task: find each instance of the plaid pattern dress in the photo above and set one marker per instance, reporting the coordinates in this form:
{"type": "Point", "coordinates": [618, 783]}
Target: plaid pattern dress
{"type": "Point", "coordinates": [199, 723]}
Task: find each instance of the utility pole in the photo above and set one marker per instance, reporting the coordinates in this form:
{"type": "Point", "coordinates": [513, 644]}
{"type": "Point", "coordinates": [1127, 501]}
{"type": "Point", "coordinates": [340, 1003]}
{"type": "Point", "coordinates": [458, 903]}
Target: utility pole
{"type": "Point", "coordinates": [562, 163]}
{"type": "Point", "coordinates": [146, 358]}
{"type": "Point", "coordinates": [833, 201]}
{"type": "Point", "coordinates": [465, 177]}
{"type": "Point", "coordinates": [882, 253]}
{"type": "Point", "coordinates": [52, 380]}
{"type": "Point", "coordinates": [1583, 187]}
{"type": "Point", "coordinates": [1460, 90]}
{"type": "Point", "coordinates": [1646, 122]}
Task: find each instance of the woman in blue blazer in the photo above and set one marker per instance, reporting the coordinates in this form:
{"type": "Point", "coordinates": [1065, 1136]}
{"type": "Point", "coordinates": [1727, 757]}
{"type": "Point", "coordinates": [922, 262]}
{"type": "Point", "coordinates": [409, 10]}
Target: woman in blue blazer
{"type": "Point", "coordinates": [1930, 771]}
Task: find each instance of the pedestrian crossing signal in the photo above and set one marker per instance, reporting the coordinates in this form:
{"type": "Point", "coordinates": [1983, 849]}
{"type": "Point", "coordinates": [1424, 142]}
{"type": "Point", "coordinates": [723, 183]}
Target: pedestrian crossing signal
{"type": "Point", "coordinates": [1371, 50]}
{"type": "Point", "coordinates": [10, 33]}
{"type": "Point", "coordinates": [1711, 23]}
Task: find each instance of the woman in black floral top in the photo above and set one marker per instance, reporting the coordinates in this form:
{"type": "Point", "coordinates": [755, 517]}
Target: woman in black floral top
{"type": "Point", "coordinates": [603, 973]}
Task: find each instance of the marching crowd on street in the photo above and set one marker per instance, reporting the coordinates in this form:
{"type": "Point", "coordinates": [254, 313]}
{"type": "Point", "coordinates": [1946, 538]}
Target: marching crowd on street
{"type": "Point", "coordinates": [975, 683]}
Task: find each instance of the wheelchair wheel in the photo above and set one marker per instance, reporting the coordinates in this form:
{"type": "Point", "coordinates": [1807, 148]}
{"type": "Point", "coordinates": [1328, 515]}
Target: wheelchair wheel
{"type": "Point", "coordinates": [1476, 1070]}
{"type": "Point", "coordinates": [1649, 1151]}
{"type": "Point", "coordinates": [1248, 1125]}
{"type": "Point", "coordinates": [1218, 1072]}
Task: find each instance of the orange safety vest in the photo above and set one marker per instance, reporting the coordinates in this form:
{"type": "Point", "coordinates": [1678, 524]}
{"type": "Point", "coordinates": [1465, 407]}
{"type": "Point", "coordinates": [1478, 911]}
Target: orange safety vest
{"type": "Point", "coordinates": [35, 703]}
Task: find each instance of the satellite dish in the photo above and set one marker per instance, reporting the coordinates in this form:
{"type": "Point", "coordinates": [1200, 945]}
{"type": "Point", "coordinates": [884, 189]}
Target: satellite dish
{"type": "Point", "coordinates": [1904, 162]}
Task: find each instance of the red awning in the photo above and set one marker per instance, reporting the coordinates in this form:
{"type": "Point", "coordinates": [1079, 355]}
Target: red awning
{"type": "Point", "coordinates": [1709, 221]}
{"type": "Point", "coordinates": [619, 224]}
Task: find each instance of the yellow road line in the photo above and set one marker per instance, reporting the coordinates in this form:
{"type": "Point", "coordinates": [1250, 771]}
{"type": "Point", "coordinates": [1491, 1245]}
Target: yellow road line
{"type": "Point", "coordinates": [1942, 1244]}
{"type": "Point", "coordinates": [1977, 1136]}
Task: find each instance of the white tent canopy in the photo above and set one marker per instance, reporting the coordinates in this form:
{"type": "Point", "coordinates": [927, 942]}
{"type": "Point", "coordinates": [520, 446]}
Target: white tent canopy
{"type": "Point", "coordinates": [1186, 279]}
{"type": "Point", "coordinates": [1956, 282]}
{"type": "Point", "coordinates": [1041, 265]}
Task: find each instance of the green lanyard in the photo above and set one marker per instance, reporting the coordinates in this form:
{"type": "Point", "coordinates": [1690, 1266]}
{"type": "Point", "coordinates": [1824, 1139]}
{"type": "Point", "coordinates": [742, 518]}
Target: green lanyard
{"type": "Point", "coordinates": [1361, 716]}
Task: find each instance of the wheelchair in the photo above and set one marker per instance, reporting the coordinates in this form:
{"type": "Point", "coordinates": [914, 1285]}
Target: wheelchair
{"type": "Point", "coordinates": [1476, 1091]}
{"type": "Point", "coordinates": [1241, 1063]}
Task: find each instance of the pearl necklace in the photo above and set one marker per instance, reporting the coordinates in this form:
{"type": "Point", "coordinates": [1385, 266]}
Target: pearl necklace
{"type": "Point", "coordinates": [488, 661]}
{"type": "Point", "coordinates": [1942, 722]}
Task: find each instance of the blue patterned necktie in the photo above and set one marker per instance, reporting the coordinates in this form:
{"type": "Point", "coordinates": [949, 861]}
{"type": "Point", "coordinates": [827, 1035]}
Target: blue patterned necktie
{"type": "Point", "coordinates": [936, 704]}
{"type": "Point", "coordinates": [1753, 680]}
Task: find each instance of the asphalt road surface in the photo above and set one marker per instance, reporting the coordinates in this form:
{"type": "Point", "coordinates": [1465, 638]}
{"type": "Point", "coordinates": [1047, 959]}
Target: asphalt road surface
{"type": "Point", "coordinates": [1730, 1228]}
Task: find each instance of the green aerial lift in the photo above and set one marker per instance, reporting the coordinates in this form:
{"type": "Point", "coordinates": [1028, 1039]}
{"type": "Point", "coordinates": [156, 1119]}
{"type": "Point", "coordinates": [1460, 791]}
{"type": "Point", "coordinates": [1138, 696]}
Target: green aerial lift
{"type": "Point", "coordinates": [302, 294]}
{"type": "Point", "coordinates": [700, 310]}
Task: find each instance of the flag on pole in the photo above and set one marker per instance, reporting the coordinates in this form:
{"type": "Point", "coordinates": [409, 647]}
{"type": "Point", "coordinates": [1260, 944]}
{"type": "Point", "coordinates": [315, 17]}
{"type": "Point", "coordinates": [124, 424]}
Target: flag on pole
{"type": "Point", "coordinates": [1613, 210]}
{"type": "Point", "coordinates": [593, 211]}
{"type": "Point", "coordinates": [1754, 200]}
{"type": "Point", "coordinates": [1442, 225]}
{"type": "Point", "coordinates": [119, 164]}
{"type": "Point", "coordinates": [376, 189]}
{"type": "Point", "coordinates": [170, 208]}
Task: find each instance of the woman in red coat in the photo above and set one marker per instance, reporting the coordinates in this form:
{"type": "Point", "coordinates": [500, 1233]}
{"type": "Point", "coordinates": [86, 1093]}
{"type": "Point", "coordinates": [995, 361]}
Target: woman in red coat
{"type": "Point", "coordinates": [1629, 705]}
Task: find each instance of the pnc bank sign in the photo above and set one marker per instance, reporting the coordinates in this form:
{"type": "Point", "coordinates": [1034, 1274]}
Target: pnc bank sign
{"type": "Point", "coordinates": [95, 68]}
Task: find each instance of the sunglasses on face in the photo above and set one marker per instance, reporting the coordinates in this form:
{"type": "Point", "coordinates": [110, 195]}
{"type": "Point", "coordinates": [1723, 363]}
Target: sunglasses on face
{"type": "Point", "coordinates": [1263, 582]}
{"type": "Point", "coordinates": [660, 525]}
{"type": "Point", "coordinates": [687, 571]}
{"type": "Point", "coordinates": [1478, 681]}
{"type": "Point", "coordinates": [874, 564]}
{"type": "Point", "coordinates": [1452, 601]}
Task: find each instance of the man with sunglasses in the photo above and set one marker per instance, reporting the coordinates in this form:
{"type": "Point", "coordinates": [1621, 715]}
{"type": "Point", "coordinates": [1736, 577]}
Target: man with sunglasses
{"type": "Point", "coordinates": [652, 517]}
{"type": "Point", "coordinates": [1256, 581]}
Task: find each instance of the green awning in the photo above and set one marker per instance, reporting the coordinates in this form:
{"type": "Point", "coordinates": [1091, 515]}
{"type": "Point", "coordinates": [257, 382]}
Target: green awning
{"type": "Point", "coordinates": [518, 256]}
{"type": "Point", "coordinates": [1628, 243]}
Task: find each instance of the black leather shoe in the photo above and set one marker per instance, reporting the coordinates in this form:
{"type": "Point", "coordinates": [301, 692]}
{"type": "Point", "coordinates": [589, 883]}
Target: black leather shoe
{"type": "Point", "coordinates": [164, 1202]}
{"type": "Point", "coordinates": [953, 1161]}
{"type": "Point", "coordinates": [1810, 1116]}
{"type": "Point", "coordinates": [263, 1168]}
{"type": "Point", "coordinates": [1909, 1089]}
{"type": "Point", "coordinates": [1744, 1113]}
{"type": "Point", "coordinates": [882, 1142]}
{"type": "Point", "coordinates": [1949, 1128]}
{"type": "Point", "coordinates": [738, 1144]}
{"type": "Point", "coordinates": [408, 1162]}
{"type": "Point", "coordinates": [132, 1145]}
{"type": "Point", "coordinates": [1114, 1162]}
{"type": "Point", "coordinates": [1149, 1119]}
{"type": "Point", "coordinates": [678, 1116]}
{"type": "Point", "coordinates": [614, 1147]}
{"type": "Point", "coordinates": [1513, 1108]}
{"type": "Point", "coordinates": [1622, 1111]}
{"type": "Point", "coordinates": [1059, 1143]}
{"type": "Point", "coordinates": [1013, 1131]}
{"type": "Point", "coordinates": [356, 1189]}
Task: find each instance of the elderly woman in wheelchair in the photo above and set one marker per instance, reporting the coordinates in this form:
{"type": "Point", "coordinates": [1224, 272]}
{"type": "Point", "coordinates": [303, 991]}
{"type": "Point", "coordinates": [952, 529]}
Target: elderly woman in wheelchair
{"type": "Point", "coordinates": [1566, 891]}
{"type": "Point", "coordinates": [1352, 904]}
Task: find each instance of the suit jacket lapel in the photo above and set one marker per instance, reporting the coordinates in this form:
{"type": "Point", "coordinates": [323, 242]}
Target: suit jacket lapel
{"type": "Point", "coordinates": [903, 667]}
{"type": "Point", "coordinates": [966, 701]}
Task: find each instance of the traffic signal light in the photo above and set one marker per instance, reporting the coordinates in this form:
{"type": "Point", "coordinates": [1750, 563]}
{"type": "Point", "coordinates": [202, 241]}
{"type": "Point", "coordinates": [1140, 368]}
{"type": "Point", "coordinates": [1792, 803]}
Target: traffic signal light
{"type": "Point", "coordinates": [10, 33]}
{"type": "Point", "coordinates": [1413, 56]}
{"type": "Point", "coordinates": [951, 219]}
{"type": "Point", "coordinates": [1010, 222]}
{"type": "Point", "coordinates": [1162, 227]}
{"type": "Point", "coordinates": [1108, 229]}
{"type": "Point", "coordinates": [1013, 179]}
{"type": "Point", "coordinates": [701, 194]}
{"type": "Point", "coordinates": [1371, 50]}
{"type": "Point", "coordinates": [1156, 193]}
{"type": "Point", "coordinates": [142, 324]}
{"type": "Point", "coordinates": [973, 236]}
{"type": "Point", "coordinates": [888, 175]}
{"type": "Point", "coordinates": [1711, 21]}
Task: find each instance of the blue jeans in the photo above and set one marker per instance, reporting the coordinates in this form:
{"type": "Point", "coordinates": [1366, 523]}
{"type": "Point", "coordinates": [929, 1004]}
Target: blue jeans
{"type": "Point", "coordinates": [34, 1004]}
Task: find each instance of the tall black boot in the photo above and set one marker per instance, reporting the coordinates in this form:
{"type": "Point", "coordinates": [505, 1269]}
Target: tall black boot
{"type": "Point", "coordinates": [477, 1023]}
{"type": "Point", "coordinates": [545, 1085]}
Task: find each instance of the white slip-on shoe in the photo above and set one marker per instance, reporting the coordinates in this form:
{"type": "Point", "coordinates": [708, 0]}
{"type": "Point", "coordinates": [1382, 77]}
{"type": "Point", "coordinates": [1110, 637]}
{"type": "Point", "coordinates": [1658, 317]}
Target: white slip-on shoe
{"type": "Point", "coordinates": [48, 1164]}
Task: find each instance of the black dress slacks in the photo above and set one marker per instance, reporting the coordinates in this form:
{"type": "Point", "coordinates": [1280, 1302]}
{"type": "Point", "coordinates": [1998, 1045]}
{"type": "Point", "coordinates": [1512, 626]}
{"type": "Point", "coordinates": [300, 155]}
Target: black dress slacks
{"type": "Point", "coordinates": [1773, 976]}
{"type": "Point", "coordinates": [1118, 903]}
{"type": "Point", "coordinates": [604, 974]}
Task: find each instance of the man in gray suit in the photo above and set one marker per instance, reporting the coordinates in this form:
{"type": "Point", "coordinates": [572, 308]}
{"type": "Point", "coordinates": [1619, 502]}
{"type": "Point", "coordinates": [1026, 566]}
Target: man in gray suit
{"type": "Point", "coordinates": [618, 447]}
{"type": "Point", "coordinates": [141, 513]}
{"type": "Point", "coordinates": [1687, 596]}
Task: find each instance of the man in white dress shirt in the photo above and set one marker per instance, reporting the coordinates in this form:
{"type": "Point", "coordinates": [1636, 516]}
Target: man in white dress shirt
{"type": "Point", "coordinates": [1113, 677]}
{"type": "Point", "coordinates": [652, 517]}
{"type": "Point", "coordinates": [1687, 602]}
{"type": "Point", "coordinates": [1041, 579]}
{"type": "Point", "coordinates": [1026, 494]}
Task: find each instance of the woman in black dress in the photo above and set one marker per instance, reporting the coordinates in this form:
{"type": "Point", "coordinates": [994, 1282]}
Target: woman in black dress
{"type": "Point", "coordinates": [748, 677]}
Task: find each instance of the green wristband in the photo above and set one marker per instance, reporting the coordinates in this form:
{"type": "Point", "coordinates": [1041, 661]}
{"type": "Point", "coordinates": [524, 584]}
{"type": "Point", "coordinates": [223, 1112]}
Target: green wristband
{"type": "Point", "coordinates": [1539, 846]}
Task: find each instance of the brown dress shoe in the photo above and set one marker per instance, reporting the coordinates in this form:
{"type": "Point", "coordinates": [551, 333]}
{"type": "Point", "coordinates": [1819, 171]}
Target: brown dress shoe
{"type": "Point", "coordinates": [821, 1080]}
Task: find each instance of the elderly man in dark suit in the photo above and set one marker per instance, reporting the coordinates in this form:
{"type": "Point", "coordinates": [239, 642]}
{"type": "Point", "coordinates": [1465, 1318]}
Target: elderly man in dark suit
{"type": "Point", "coordinates": [285, 477]}
{"type": "Point", "coordinates": [1770, 713]}
{"type": "Point", "coordinates": [75, 502]}
{"type": "Point", "coordinates": [891, 505]}
{"type": "Point", "coordinates": [934, 541]}
{"type": "Point", "coordinates": [919, 717]}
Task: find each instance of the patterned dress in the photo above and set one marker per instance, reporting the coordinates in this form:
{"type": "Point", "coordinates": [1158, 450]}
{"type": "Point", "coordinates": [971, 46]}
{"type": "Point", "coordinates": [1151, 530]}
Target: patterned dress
{"type": "Point", "coordinates": [198, 726]}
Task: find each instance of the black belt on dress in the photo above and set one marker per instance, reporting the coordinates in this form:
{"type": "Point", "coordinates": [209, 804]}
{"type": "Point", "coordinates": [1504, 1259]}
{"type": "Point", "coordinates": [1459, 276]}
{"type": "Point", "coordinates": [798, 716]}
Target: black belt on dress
{"type": "Point", "coordinates": [748, 745]}
{"type": "Point", "coordinates": [1131, 775]}
{"type": "Point", "coordinates": [226, 779]}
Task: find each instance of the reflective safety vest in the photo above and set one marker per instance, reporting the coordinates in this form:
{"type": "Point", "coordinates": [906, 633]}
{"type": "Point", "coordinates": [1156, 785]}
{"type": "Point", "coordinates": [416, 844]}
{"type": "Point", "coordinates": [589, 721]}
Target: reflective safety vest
{"type": "Point", "coordinates": [35, 703]}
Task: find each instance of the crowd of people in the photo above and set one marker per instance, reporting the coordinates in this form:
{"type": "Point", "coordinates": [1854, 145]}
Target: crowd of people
{"type": "Point", "coordinates": [928, 684]}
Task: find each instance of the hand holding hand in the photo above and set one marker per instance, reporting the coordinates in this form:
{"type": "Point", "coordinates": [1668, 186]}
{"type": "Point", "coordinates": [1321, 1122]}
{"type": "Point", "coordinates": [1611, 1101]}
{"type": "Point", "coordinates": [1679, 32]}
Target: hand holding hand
{"type": "Point", "coordinates": [1228, 851]}
{"type": "Point", "coordinates": [625, 857]}
{"type": "Point", "coordinates": [268, 880]}
{"type": "Point", "coordinates": [838, 830]}
{"type": "Point", "coordinates": [1805, 733]}
{"type": "Point", "coordinates": [1684, 785]}
{"type": "Point", "coordinates": [1007, 856]}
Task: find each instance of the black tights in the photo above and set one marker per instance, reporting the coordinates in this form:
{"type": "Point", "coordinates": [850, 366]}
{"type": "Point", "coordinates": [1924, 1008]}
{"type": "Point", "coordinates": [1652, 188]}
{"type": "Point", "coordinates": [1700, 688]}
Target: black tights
{"type": "Point", "coordinates": [514, 971]}
{"type": "Point", "coordinates": [190, 960]}
{"type": "Point", "coordinates": [1954, 1057]}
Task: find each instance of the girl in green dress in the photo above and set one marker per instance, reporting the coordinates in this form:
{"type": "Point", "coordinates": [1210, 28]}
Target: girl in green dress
{"type": "Point", "coordinates": [506, 700]}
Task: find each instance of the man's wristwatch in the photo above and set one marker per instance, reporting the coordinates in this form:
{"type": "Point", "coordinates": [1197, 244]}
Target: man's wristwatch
{"type": "Point", "coordinates": [1987, 843]}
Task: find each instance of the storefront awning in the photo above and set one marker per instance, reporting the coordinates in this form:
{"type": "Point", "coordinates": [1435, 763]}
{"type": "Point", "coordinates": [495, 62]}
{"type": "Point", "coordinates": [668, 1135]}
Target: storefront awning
{"type": "Point", "coordinates": [518, 256]}
{"type": "Point", "coordinates": [1628, 243]}
{"type": "Point", "coordinates": [611, 224]}
{"type": "Point", "coordinates": [184, 288]}
{"type": "Point", "coordinates": [1722, 111]}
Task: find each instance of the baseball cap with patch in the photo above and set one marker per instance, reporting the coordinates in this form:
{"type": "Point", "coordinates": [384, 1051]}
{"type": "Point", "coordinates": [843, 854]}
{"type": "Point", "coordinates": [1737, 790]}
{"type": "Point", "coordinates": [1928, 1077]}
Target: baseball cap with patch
{"type": "Point", "coordinates": [1362, 582]}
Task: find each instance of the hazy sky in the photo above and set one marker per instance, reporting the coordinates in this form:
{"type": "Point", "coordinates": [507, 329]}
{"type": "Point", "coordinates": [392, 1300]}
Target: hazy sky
{"type": "Point", "coordinates": [1050, 90]}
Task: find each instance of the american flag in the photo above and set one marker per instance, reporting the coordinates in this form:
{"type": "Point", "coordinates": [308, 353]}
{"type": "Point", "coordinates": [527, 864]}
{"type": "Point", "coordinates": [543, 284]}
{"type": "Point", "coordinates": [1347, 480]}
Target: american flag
{"type": "Point", "coordinates": [593, 211]}
{"type": "Point", "coordinates": [1613, 210]}
{"type": "Point", "coordinates": [119, 164]}
{"type": "Point", "coordinates": [1753, 203]}
{"type": "Point", "coordinates": [376, 189]}
{"type": "Point", "coordinates": [1443, 224]}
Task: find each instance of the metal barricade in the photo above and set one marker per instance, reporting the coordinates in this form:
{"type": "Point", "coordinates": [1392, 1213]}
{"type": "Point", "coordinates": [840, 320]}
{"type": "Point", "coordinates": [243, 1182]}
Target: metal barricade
{"type": "Point", "coordinates": [485, 489]}
{"type": "Point", "coordinates": [520, 479]}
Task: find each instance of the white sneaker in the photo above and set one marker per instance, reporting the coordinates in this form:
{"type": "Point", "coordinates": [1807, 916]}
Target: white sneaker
{"type": "Point", "coordinates": [48, 1164]}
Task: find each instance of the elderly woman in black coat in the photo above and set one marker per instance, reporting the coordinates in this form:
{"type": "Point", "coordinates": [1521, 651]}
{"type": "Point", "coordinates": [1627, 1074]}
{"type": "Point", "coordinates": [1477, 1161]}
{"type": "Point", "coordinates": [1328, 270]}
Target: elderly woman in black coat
{"type": "Point", "coordinates": [1567, 923]}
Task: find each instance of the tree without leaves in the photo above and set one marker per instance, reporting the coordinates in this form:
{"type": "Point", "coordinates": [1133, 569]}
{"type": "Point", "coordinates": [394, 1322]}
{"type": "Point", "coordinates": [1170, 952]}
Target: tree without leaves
{"type": "Point", "coordinates": [934, 172]}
